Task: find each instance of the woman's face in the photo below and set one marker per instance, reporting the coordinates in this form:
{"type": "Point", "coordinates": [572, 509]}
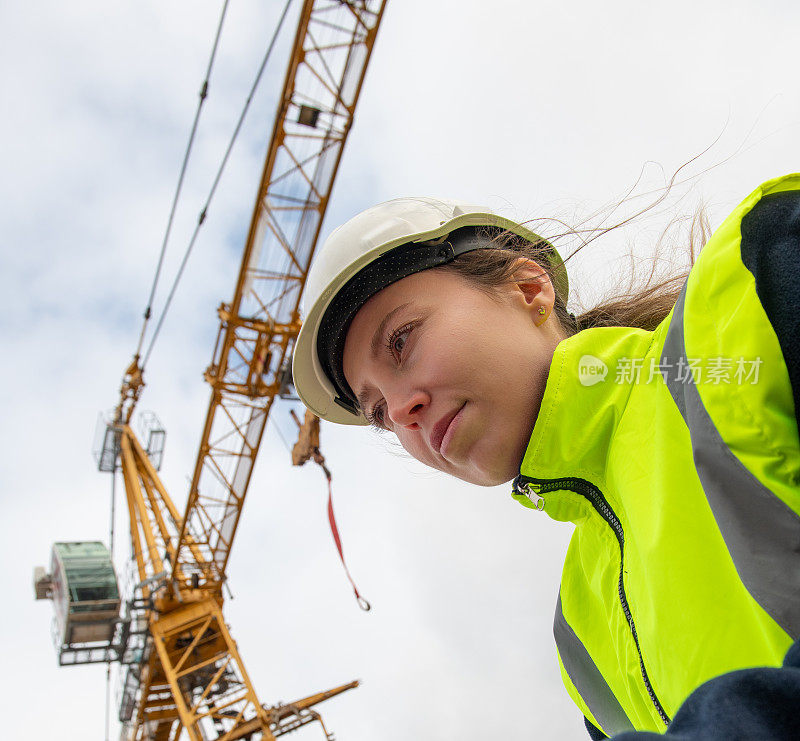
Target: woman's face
{"type": "Point", "coordinates": [456, 373]}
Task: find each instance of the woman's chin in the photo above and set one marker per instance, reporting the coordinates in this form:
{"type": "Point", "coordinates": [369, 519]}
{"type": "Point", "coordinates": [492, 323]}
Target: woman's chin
{"type": "Point", "coordinates": [488, 462]}
{"type": "Point", "coordinates": [486, 475]}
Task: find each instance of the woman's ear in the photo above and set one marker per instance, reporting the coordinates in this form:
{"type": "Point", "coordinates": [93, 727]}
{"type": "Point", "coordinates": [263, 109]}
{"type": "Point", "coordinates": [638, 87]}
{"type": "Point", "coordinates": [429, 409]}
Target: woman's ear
{"type": "Point", "coordinates": [534, 287]}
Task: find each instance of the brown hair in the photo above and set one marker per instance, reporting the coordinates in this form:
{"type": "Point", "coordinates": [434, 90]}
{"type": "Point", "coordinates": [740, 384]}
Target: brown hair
{"type": "Point", "coordinates": [641, 303]}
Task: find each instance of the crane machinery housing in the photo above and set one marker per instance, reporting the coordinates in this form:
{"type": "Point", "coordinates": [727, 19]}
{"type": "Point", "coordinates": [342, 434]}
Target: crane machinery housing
{"type": "Point", "coordinates": [183, 671]}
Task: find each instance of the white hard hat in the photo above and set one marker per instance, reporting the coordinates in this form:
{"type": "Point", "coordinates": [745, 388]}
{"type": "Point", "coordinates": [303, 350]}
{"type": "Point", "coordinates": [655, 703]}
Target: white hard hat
{"type": "Point", "coordinates": [378, 247]}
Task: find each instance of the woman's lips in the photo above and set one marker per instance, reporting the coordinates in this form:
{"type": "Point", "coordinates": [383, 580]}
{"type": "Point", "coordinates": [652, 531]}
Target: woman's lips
{"type": "Point", "coordinates": [444, 428]}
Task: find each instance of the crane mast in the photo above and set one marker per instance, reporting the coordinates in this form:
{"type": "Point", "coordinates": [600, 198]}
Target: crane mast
{"type": "Point", "coordinates": [251, 363]}
{"type": "Point", "coordinates": [184, 672]}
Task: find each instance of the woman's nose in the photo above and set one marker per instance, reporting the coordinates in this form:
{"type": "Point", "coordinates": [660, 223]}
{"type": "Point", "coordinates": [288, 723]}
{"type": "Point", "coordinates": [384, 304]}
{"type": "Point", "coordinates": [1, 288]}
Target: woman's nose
{"type": "Point", "coordinates": [406, 408]}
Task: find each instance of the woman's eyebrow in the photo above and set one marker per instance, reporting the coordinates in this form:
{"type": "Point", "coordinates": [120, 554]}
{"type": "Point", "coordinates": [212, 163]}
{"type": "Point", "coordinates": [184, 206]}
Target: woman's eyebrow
{"type": "Point", "coordinates": [377, 338]}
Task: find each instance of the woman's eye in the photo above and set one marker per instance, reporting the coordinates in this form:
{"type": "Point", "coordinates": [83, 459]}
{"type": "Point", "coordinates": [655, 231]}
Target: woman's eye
{"type": "Point", "coordinates": [397, 340]}
{"type": "Point", "coordinates": [376, 417]}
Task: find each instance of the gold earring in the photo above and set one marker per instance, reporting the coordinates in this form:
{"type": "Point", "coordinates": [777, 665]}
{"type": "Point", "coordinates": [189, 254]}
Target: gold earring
{"type": "Point", "coordinates": [542, 313]}
{"type": "Point", "coordinates": [542, 310]}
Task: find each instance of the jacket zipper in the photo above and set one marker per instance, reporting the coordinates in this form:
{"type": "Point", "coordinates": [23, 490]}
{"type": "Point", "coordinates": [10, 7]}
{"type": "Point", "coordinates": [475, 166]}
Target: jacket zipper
{"type": "Point", "coordinates": [533, 490]}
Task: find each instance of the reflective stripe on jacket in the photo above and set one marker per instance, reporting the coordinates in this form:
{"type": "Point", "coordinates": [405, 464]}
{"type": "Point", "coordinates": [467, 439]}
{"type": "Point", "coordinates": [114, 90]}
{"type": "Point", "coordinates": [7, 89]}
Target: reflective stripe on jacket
{"type": "Point", "coordinates": [676, 454]}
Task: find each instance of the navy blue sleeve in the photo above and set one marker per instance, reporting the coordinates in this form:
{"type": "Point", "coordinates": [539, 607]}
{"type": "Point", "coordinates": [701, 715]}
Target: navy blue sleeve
{"type": "Point", "coordinates": [761, 703]}
{"type": "Point", "coordinates": [771, 252]}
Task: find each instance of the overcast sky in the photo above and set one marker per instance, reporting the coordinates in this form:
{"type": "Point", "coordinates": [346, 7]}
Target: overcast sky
{"type": "Point", "coordinates": [538, 109]}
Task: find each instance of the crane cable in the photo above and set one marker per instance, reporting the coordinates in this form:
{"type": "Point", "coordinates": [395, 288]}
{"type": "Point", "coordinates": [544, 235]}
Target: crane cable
{"type": "Point", "coordinates": [203, 95]}
{"type": "Point", "coordinates": [201, 218]}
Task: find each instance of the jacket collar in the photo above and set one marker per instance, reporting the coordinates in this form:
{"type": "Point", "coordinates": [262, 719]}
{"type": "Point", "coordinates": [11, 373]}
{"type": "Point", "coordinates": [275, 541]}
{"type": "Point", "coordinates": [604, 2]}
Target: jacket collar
{"type": "Point", "coordinates": [585, 396]}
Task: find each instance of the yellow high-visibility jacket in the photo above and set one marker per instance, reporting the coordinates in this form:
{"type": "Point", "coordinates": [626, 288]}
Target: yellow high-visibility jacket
{"type": "Point", "coordinates": [676, 454]}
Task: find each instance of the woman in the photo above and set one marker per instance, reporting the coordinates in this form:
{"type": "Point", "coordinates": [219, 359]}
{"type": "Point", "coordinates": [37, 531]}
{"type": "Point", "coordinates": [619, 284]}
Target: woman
{"type": "Point", "coordinates": [672, 445]}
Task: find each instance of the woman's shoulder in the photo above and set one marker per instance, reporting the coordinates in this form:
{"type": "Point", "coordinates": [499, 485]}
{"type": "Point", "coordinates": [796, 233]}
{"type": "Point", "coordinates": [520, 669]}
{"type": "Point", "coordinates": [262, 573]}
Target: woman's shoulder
{"type": "Point", "coordinates": [751, 265]}
{"type": "Point", "coordinates": [768, 215]}
{"type": "Point", "coordinates": [738, 315]}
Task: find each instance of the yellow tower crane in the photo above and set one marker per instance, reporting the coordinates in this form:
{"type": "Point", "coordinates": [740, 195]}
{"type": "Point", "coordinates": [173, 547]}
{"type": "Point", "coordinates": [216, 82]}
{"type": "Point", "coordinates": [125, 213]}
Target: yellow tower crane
{"type": "Point", "coordinates": [183, 670]}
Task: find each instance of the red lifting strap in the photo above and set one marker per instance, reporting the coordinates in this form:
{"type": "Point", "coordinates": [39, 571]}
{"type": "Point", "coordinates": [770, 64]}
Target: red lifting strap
{"type": "Point", "coordinates": [362, 603]}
